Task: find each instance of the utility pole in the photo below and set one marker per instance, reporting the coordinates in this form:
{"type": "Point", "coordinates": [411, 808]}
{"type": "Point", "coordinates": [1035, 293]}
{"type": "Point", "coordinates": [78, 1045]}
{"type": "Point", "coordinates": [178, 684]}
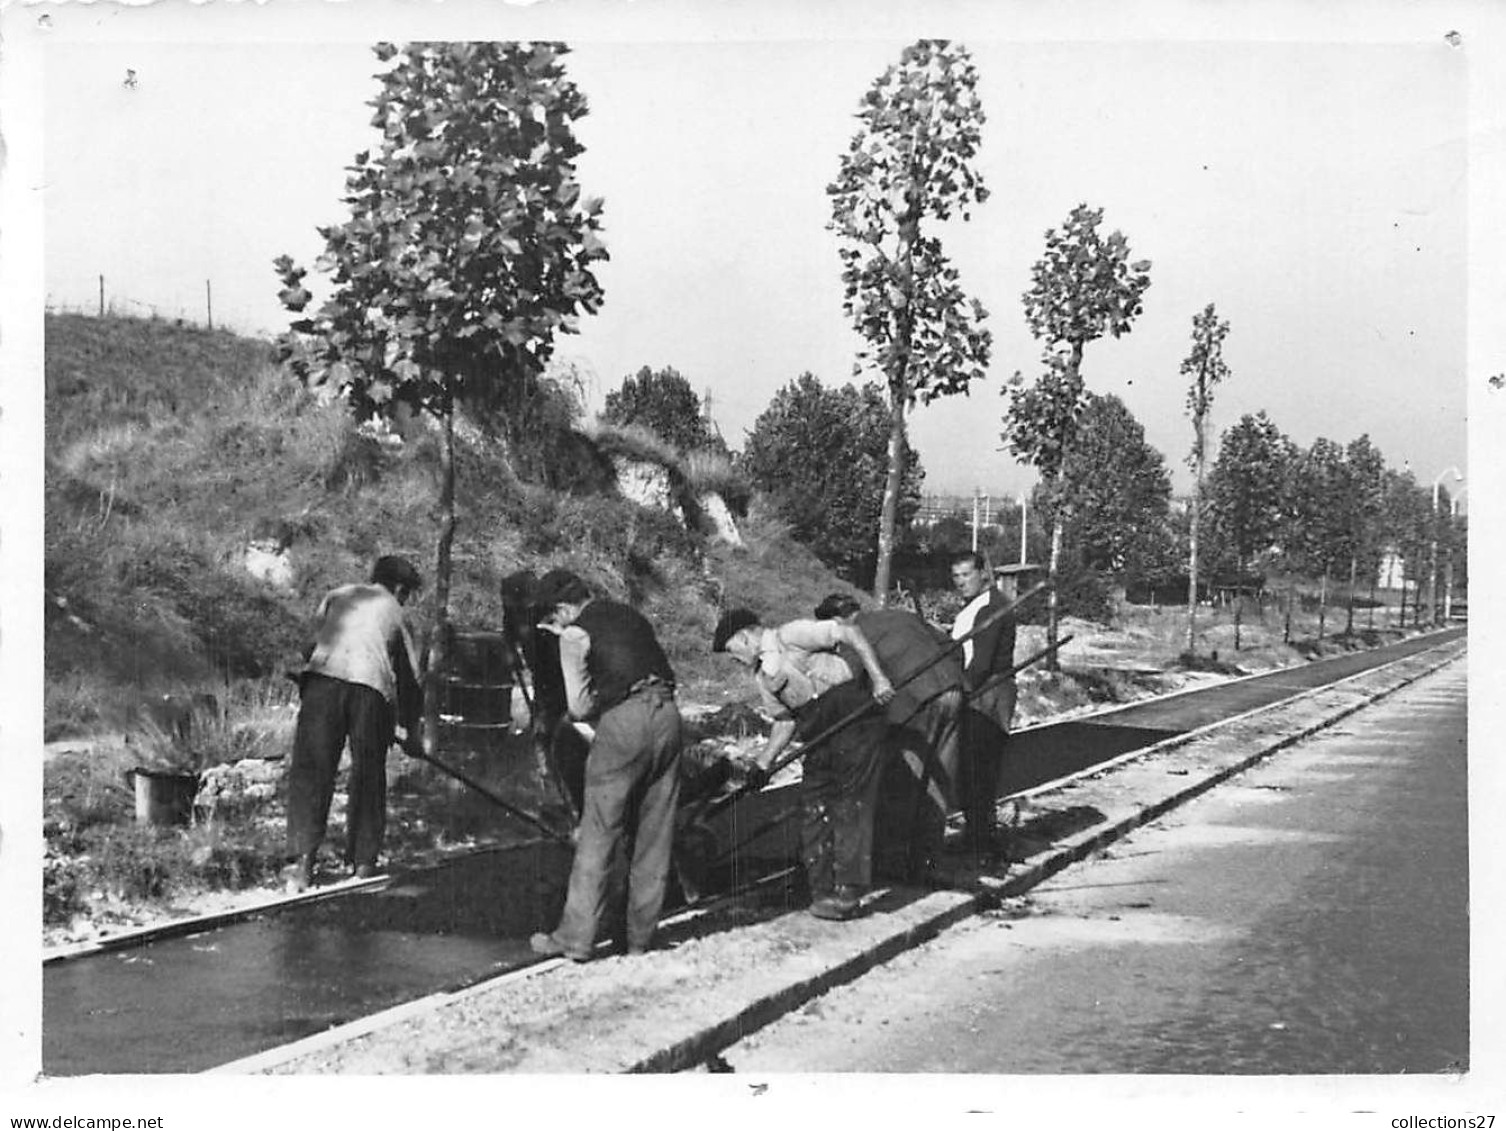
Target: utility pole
{"type": "Point", "coordinates": [209, 303]}
{"type": "Point", "coordinates": [101, 296]}
{"type": "Point", "coordinates": [977, 497]}
{"type": "Point", "coordinates": [1433, 569]}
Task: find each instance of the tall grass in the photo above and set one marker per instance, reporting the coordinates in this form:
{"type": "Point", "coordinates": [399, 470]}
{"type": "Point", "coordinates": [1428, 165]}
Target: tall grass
{"type": "Point", "coordinates": [170, 449]}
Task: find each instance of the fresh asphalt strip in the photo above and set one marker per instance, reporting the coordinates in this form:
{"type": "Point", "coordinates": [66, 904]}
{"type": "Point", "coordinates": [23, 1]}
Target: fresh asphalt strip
{"type": "Point", "coordinates": [1146, 783]}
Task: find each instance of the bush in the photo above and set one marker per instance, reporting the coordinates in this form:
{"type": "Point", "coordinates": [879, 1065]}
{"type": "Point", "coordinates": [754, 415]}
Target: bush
{"type": "Point", "coordinates": [61, 897]}
{"type": "Point", "coordinates": [636, 442]}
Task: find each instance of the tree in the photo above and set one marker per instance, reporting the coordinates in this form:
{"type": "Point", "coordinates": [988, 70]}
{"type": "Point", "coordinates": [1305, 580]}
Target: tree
{"type": "Point", "coordinates": [822, 457]}
{"type": "Point", "coordinates": [1118, 489]}
{"type": "Point", "coordinates": [468, 248]}
{"type": "Point", "coordinates": [910, 161]}
{"type": "Point", "coordinates": [662, 400]}
{"type": "Point", "coordinates": [1245, 491]}
{"type": "Point", "coordinates": [1320, 534]}
{"type": "Point", "coordinates": [1363, 504]}
{"type": "Point", "coordinates": [1206, 366]}
{"type": "Point", "coordinates": [1084, 286]}
{"type": "Point", "coordinates": [1405, 511]}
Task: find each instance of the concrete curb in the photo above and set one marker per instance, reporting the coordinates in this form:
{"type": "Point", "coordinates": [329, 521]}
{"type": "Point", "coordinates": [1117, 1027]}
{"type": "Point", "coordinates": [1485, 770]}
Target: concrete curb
{"type": "Point", "coordinates": [694, 1051]}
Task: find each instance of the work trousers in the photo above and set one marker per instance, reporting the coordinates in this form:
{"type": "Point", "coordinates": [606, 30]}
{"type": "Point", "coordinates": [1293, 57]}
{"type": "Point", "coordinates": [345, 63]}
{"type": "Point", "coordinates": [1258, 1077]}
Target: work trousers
{"type": "Point", "coordinates": [985, 733]}
{"type": "Point", "coordinates": [839, 788]}
{"type": "Point", "coordinates": [632, 785]}
{"type": "Point", "coordinates": [918, 788]}
{"type": "Point", "coordinates": [330, 712]}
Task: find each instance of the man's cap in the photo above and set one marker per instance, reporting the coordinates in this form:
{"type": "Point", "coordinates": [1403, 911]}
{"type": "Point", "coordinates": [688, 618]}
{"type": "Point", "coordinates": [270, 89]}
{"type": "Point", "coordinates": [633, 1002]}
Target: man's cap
{"type": "Point", "coordinates": [1016, 567]}
{"type": "Point", "coordinates": [733, 621]}
{"type": "Point", "coordinates": [560, 585]}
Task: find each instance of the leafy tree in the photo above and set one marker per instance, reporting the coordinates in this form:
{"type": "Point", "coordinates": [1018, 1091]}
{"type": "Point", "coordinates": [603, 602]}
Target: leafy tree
{"type": "Point", "coordinates": [1206, 366]}
{"type": "Point", "coordinates": [951, 534]}
{"type": "Point", "coordinates": [1245, 491]}
{"type": "Point", "coordinates": [1363, 505]}
{"type": "Point", "coordinates": [1405, 511]}
{"type": "Point", "coordinates": [822, 457]}
{"type": "Point", "coordinates": [663, 401]}
{"type": "Point", "coordinates": [1085, 286]}
{"type": "Point", "coordinates": [1118, 489]}
{"type": "Point", "coordinates": [1319, 533]}
{"type": "Point", "coordinates": [911, 161]}
{"type": "Point", "coordinates": [468, 248]}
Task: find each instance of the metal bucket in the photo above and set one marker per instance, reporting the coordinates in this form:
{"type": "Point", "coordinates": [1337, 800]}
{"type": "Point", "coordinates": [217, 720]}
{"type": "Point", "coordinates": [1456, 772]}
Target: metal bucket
{"type": "Point", "coordinates": [163, 797]}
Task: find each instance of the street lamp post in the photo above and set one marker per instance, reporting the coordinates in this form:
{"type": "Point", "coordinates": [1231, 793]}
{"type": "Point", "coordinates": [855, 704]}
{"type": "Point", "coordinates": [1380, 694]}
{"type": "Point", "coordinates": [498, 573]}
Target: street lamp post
{"type": "Point", "coordinates": [1448, 570]}
{"type": "Point", "coordinates": [1433, 567]}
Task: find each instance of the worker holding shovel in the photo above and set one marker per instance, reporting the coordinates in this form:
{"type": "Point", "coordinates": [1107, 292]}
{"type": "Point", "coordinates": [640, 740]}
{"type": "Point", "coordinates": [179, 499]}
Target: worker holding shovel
{"type": "Point", "coordinates": [807, 687]}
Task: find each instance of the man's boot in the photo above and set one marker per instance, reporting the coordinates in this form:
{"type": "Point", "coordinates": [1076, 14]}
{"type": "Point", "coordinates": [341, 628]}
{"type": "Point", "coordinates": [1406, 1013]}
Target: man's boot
{"type": "Point", "coordinates": [843, 903]}
{"type": "Point", "coordinates": [301, 874]}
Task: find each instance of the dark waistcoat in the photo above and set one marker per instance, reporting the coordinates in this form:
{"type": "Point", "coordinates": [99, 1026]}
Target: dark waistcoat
{"type": "Point", "coordinates": [624, 651]}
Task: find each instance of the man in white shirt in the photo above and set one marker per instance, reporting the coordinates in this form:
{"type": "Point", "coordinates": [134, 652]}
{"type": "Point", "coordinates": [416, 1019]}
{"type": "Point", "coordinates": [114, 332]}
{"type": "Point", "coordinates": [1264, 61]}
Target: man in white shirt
{"type": "Point", "coordinates": [807, 687]}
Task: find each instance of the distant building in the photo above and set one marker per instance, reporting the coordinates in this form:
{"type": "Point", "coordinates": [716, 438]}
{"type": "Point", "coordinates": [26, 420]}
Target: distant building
{"type": "Point", "coordinates": [1392, 573]}
{"type": "Point", "coordinates": [933, 508]}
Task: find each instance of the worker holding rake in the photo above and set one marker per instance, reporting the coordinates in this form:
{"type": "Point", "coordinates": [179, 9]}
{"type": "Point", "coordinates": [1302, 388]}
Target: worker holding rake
{"type": "Point", "coordinates": [807, 687]}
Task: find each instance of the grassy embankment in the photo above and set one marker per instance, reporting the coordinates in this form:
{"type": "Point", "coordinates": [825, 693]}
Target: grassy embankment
{"type": "Point", "coordinates": [169, 449]}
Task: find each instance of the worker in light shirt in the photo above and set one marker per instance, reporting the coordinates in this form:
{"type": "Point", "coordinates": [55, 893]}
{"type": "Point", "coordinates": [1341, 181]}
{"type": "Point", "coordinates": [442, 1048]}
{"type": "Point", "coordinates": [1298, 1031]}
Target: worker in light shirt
{"type": "Point", "coordinates": [986, 661]}
{"type": "Point", "coordinates": [807, 686]}
{"type": "Point", "coordinates": [359, 684]}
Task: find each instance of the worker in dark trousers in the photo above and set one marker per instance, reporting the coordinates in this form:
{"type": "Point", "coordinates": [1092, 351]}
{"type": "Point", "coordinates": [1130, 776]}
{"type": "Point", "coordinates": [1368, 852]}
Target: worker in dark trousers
{"type": "Point", "coordinates": [807, 686]}
{"type": "Point", "coordinates": [359, 682]}
{"type": "Point", "coordinates": [559, 750]}
{"type": "Point", "coordinates": [618, 680]}
{"type": "Point", "coordinates": [988, 658]}
{"type": "Point", "coordinates": [925, 719]}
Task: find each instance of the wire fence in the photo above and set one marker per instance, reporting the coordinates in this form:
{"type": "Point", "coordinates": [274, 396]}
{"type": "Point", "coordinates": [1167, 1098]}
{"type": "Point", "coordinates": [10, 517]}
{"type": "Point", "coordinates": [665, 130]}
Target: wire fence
{"type": "Point", "coordinates": [110, 303]}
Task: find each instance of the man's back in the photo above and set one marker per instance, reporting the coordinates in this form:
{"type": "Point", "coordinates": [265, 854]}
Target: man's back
{"type": "Point", "coordinates": [905, 643]}
{"type": "Point", "coordinates": [358, 627]}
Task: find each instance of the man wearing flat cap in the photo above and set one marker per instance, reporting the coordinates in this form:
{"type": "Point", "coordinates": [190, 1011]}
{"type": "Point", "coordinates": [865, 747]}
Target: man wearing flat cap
{"type": "Point", "coordinates": [807, 686]}
{"type": "Point", "coordinates": [617, 678]}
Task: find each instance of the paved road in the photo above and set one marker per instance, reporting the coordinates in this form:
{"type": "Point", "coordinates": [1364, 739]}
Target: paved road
{"type": "Point", "coordinates": [1309, 917]}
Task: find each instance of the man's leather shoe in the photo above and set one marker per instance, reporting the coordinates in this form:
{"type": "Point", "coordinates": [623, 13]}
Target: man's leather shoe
{"type": "Point", "coordinates": [550, 947]}
{"type": "Point", "coordinates": [843, 903]}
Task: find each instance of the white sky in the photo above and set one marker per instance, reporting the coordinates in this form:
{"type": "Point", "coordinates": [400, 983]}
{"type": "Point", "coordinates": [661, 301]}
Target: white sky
{"type": "Point", "coordinates": [1331, 175]}
{"type": "Point", "coordinates": [1315, 192]}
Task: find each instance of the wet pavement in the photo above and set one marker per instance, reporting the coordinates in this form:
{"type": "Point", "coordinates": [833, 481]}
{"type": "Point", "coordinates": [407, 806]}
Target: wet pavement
{"type": "Point", "coordinates": [1309, 917]}
{"type": "Point", "coordinates": [186, 1004]}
